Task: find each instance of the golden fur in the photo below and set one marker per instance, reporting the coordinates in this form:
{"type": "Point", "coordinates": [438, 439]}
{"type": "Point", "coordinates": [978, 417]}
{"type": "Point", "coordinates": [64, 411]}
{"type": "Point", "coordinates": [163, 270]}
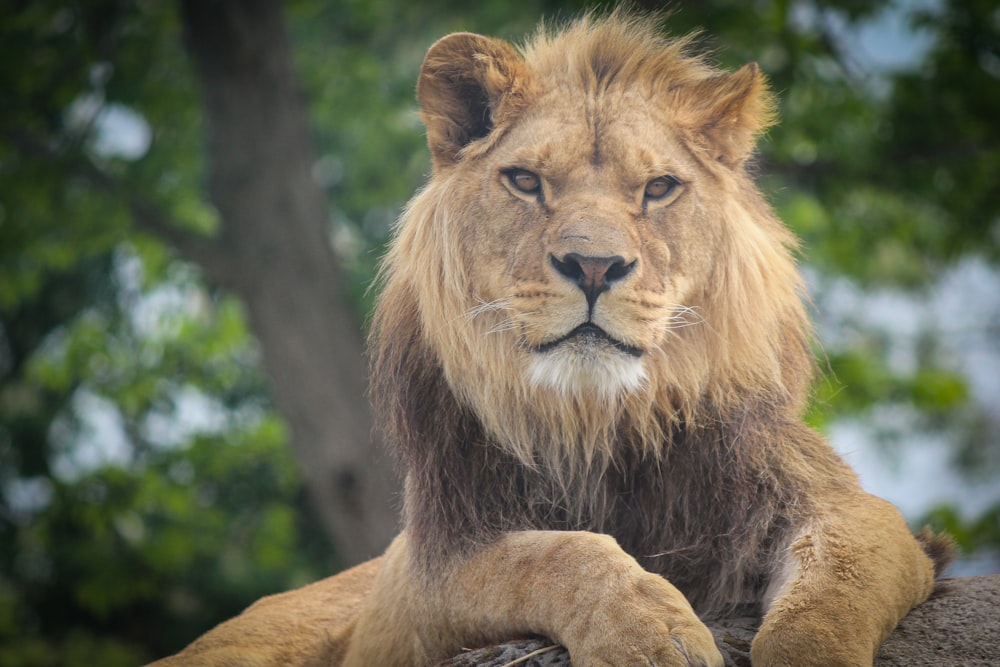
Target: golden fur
{"type": "Point", "coordinates": [714, 336]}
{"type": "Point", "coordinates": [591, 355]}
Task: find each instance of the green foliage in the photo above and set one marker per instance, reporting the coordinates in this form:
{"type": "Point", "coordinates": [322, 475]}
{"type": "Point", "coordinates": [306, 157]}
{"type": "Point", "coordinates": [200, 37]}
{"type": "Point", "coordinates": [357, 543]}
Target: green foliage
{"type": "Point", "coordinates": [942, 133]}
{"type": "Point", "coordinates": [121, 540]}
{"type": "Point", "coordinates": [162, 549]}
{"type": "Point", "coordinates": [858, 379]}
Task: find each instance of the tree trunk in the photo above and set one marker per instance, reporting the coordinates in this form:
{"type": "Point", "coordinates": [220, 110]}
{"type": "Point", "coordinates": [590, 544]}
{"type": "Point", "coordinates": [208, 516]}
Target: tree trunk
{"type": "Point", "coordinates": [274, 252]}
{"type": "Point", "coordinates": [960, 625]}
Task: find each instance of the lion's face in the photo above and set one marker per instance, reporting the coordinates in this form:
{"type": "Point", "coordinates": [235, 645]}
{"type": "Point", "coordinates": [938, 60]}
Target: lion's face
{"type": "Point", "coordinates": [585, 240]}
{"type": "Point", "coordinates": [590, 250]}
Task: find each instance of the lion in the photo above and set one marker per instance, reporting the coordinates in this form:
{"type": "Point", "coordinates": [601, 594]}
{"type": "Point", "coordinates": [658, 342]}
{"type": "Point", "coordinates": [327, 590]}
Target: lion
{"type": "Point", "coordinates": [592, 356]}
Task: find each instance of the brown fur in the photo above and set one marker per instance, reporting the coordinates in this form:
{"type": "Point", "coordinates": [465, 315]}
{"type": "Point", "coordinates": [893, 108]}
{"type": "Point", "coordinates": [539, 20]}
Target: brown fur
{"type": "Point", "coordinates": [682, 440]}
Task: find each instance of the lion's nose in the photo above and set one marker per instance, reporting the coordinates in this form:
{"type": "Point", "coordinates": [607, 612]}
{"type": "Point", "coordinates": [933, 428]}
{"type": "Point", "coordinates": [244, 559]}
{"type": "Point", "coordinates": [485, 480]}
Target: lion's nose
{"type": "Point", "coordinates": [593, 275]}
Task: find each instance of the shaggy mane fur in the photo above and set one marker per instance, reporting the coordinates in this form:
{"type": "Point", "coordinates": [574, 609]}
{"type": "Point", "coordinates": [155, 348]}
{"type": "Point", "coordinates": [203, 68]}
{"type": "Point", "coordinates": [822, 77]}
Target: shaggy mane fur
{"type": "Point", "coordinates": [694, 472]}
{"type": "Point", "coordinates": [622, 50]}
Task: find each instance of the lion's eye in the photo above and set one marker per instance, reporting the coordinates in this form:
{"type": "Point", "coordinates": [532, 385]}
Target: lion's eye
{"type": "Point", "coordinates": [660, 187]}
{"type": "Point", "coordinates": [525, 181]}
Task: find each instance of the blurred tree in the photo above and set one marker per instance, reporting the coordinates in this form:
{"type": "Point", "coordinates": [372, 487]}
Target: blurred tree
{"type": "Point", "coordinates": [273, 250]}
{"type": "Point", "coordinates": [111, 344]}
{"type": "Point", "coordinates": [147, 485]}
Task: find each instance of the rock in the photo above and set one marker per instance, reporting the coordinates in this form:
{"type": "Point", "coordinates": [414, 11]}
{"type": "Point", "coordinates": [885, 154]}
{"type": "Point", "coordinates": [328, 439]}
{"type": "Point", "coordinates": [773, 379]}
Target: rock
{"type": "Point", "coordinates": [959, 625]}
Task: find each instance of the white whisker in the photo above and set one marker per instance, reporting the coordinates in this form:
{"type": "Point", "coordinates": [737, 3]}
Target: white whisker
{"type": "Point", "coordinates": [494, 306]}
{"type": "Point", "coordinates": [679, 318]}
{"type": "Point", "coordinates": [504, 325]}
{"type": "Point", "coordinates": [501, 306]}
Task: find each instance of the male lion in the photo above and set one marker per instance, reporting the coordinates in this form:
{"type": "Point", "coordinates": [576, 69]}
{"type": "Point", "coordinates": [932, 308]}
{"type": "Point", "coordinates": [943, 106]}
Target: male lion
{"type": "Point", "coordinates": [591, 355]}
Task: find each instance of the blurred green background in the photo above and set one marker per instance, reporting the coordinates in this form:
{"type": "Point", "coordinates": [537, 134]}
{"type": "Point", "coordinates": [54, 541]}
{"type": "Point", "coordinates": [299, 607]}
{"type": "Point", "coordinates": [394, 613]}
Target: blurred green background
{"type": "Point", "coordinates": [148, 483]}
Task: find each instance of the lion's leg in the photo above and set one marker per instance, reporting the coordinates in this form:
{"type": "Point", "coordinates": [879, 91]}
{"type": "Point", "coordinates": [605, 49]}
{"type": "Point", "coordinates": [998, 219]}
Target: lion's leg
{"type": "Point", "coordinates": [293, 629]}
{"type": "Point", "coordinates": [580, 589]}
{"type": "Point", "coordinates": [848, 579]}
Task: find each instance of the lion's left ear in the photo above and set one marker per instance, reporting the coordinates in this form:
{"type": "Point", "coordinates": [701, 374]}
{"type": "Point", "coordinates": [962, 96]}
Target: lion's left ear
{"type": "Point", "coordinates": [468, 86]}
{"type": "Point", "coordinates": [728, 111]}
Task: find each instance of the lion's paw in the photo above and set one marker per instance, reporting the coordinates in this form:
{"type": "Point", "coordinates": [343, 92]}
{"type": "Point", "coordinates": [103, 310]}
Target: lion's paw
{"type": "Point", "coordinates": [650, 624]}
{"type": "Point", "coordinates": [653, 645]}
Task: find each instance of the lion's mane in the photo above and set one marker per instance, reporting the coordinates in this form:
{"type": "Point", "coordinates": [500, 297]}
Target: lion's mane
{"type": "Point", "coordinates": [691, 472]}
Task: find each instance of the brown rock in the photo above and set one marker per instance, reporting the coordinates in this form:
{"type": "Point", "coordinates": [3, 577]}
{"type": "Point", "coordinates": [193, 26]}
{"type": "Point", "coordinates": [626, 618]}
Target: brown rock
{"type": "Point", "coordinates": [958, 626]}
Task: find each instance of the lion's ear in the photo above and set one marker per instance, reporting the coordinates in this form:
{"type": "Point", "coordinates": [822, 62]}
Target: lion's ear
{"type": "Point", "coordinates": [468, 86]}
{"type": "Point", "coordinates": [728, 111]}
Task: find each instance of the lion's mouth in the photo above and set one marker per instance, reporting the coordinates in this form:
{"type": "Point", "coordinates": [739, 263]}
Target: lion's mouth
{"type": "Point", "coordinates": [590, 332]}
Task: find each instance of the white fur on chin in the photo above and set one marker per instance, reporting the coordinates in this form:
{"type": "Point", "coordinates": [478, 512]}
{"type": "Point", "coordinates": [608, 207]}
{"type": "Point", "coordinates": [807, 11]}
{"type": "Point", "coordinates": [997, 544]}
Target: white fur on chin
{"type": "Point", "coordinates": [581, 369]}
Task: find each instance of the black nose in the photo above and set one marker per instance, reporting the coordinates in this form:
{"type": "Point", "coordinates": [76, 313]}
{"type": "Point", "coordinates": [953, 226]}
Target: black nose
{"type": "Point", "coordinates": [593, 275]}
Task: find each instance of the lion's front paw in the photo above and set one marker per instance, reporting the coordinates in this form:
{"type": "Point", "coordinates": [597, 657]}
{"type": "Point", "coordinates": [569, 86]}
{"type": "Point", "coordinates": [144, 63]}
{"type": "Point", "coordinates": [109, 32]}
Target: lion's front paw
{"type": "Point", "coordinates": [664, 648]}
{"type": "Point", "coordinates": [812, 645]}
{"type": "Point", "coordinates": [650, 623]}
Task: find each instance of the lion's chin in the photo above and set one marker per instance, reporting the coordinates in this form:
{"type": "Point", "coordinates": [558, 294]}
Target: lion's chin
{"type": "Point", "coordinates": [587, 367]}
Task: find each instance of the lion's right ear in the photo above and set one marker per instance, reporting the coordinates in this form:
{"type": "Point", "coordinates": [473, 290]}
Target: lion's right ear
{"type": "Point", "coordinates": [728, 111]}
{"type": "Point", "coordinates": [469, 86]}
